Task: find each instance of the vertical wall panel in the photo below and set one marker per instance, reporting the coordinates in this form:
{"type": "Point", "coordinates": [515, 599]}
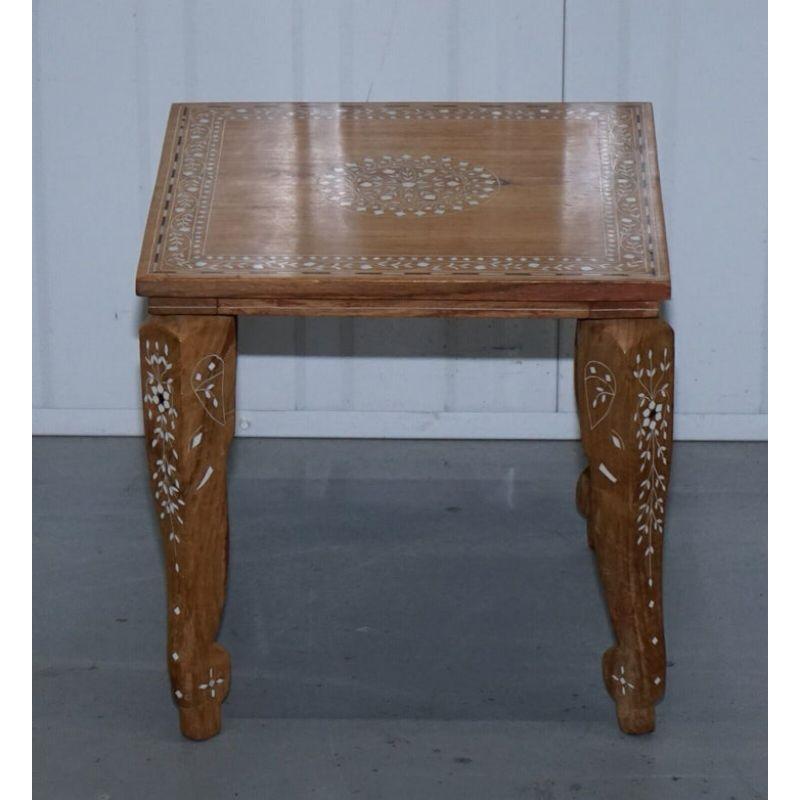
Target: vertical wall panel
{"type": "Point", "coordinates": [703, 65]}
{"type": "Point", "coordinates": [240, 50]}
{"type": "Point", "coordinates": [40, 295]}
{"type": "Point", "coordinates": [88, 206]}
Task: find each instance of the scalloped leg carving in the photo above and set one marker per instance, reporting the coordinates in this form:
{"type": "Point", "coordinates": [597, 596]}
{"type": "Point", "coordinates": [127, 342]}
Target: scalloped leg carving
{"type": "Point", "coordinates": [188, 374]}
{"type": "Point", "coordinates": [624, 378]}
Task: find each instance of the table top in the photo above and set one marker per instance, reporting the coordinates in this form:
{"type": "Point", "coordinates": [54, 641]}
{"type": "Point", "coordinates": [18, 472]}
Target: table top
{"type": "Point", "coordinates": [407, 208]}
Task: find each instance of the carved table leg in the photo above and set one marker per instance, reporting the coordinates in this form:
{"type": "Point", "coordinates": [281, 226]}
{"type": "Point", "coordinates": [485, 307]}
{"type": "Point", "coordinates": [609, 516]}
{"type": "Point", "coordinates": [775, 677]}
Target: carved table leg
{"type": "Point", "coordinates": [188, 376]}
{"type": "Point", "coordinates": [624, 379]}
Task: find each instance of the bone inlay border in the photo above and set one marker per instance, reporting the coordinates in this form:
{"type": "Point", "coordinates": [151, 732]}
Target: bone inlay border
{"type": "Point", "coordinates": [629, 245]}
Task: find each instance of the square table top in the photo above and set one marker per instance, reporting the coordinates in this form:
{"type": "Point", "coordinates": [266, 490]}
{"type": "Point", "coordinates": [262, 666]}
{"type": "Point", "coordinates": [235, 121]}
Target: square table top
{"type": "Point", "coordinates": [407, 209]}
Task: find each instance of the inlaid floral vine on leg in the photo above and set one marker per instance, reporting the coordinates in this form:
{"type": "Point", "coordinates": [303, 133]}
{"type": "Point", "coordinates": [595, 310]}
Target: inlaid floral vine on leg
{"type": "Point", "coordinates": [624, 371]}
{"type": "Point", "coordinates": [188, 370]}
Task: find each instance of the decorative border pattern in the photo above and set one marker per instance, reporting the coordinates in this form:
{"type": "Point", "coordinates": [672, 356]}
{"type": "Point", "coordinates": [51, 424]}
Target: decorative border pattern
{"type": "Point", "coordinates": [181, 235]}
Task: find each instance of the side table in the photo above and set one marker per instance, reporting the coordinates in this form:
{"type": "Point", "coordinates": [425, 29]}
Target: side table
{"type": "Point", "coordinates": [409, 210]}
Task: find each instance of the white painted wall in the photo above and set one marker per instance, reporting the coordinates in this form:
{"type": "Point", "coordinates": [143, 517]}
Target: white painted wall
{"type": "Point", "coordinates": [105, 72]}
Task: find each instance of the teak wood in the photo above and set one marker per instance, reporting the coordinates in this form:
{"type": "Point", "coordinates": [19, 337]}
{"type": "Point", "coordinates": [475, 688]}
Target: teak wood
{"type": "Point", "coordinates": [409, 209]}
{"type": "Point", "coordinates": [625, 386]}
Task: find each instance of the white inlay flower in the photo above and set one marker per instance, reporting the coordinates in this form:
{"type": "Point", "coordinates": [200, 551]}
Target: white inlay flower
{"type": "Point", "coordinates": [620, 678]}
{"type": "Point", "coordinates": [160, 397]}
{"type": "Point", "coordinates": [211, 684]}
{"type": "Point", "coordinates": [652, 414]}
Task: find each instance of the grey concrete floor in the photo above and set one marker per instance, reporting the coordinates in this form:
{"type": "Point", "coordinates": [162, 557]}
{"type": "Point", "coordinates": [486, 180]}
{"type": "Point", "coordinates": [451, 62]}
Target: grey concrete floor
{"type": "Point", "coordinates": [405, 619]}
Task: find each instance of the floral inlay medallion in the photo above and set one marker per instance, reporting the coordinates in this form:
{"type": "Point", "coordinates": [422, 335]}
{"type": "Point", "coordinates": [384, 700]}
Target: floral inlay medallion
{"type": "Point", "coordinates": [404, 186]}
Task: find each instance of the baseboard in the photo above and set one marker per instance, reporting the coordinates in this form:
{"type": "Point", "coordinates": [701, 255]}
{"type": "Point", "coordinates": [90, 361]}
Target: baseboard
{"type": "Point", "coordinates": [394, 425]}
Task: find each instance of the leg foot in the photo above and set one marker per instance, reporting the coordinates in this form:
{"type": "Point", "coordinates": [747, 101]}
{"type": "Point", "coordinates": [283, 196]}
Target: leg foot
{"type": "Point", "coordinates": [625, 382]}
{"type": "Point", "coordinates": [633, 716]}
{"type": "Point", "coordinates": [201, 722]}
{"type": "Point", "coordinates": [205, 720]}
{"type": "Point", "coordinates": [188, 372]}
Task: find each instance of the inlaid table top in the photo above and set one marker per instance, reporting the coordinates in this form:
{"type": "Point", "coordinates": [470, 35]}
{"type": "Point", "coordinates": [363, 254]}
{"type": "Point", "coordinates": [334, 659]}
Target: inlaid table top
{"type": "Point", "coordinates": [407, 209]}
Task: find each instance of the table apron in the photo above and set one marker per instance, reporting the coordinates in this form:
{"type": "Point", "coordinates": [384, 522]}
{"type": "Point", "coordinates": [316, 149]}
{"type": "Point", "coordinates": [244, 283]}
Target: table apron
{"type": "Point", "coordinates": [368, 307]}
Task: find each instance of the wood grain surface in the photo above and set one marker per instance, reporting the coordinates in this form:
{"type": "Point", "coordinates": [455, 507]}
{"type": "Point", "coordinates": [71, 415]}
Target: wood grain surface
{"type": "Point", "coordinates": [497, 203]}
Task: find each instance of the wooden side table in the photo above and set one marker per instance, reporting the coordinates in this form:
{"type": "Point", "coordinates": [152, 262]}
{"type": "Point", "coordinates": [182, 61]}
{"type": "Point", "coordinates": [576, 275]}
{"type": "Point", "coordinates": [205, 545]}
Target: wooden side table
{"type": "Point", "coordinates": [409, 210]}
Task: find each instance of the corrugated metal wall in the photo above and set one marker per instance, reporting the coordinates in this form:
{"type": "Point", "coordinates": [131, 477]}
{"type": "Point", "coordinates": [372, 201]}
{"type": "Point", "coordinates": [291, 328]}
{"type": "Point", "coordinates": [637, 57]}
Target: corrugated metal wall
{"type": "Point", "coordinates": [106, 71]}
